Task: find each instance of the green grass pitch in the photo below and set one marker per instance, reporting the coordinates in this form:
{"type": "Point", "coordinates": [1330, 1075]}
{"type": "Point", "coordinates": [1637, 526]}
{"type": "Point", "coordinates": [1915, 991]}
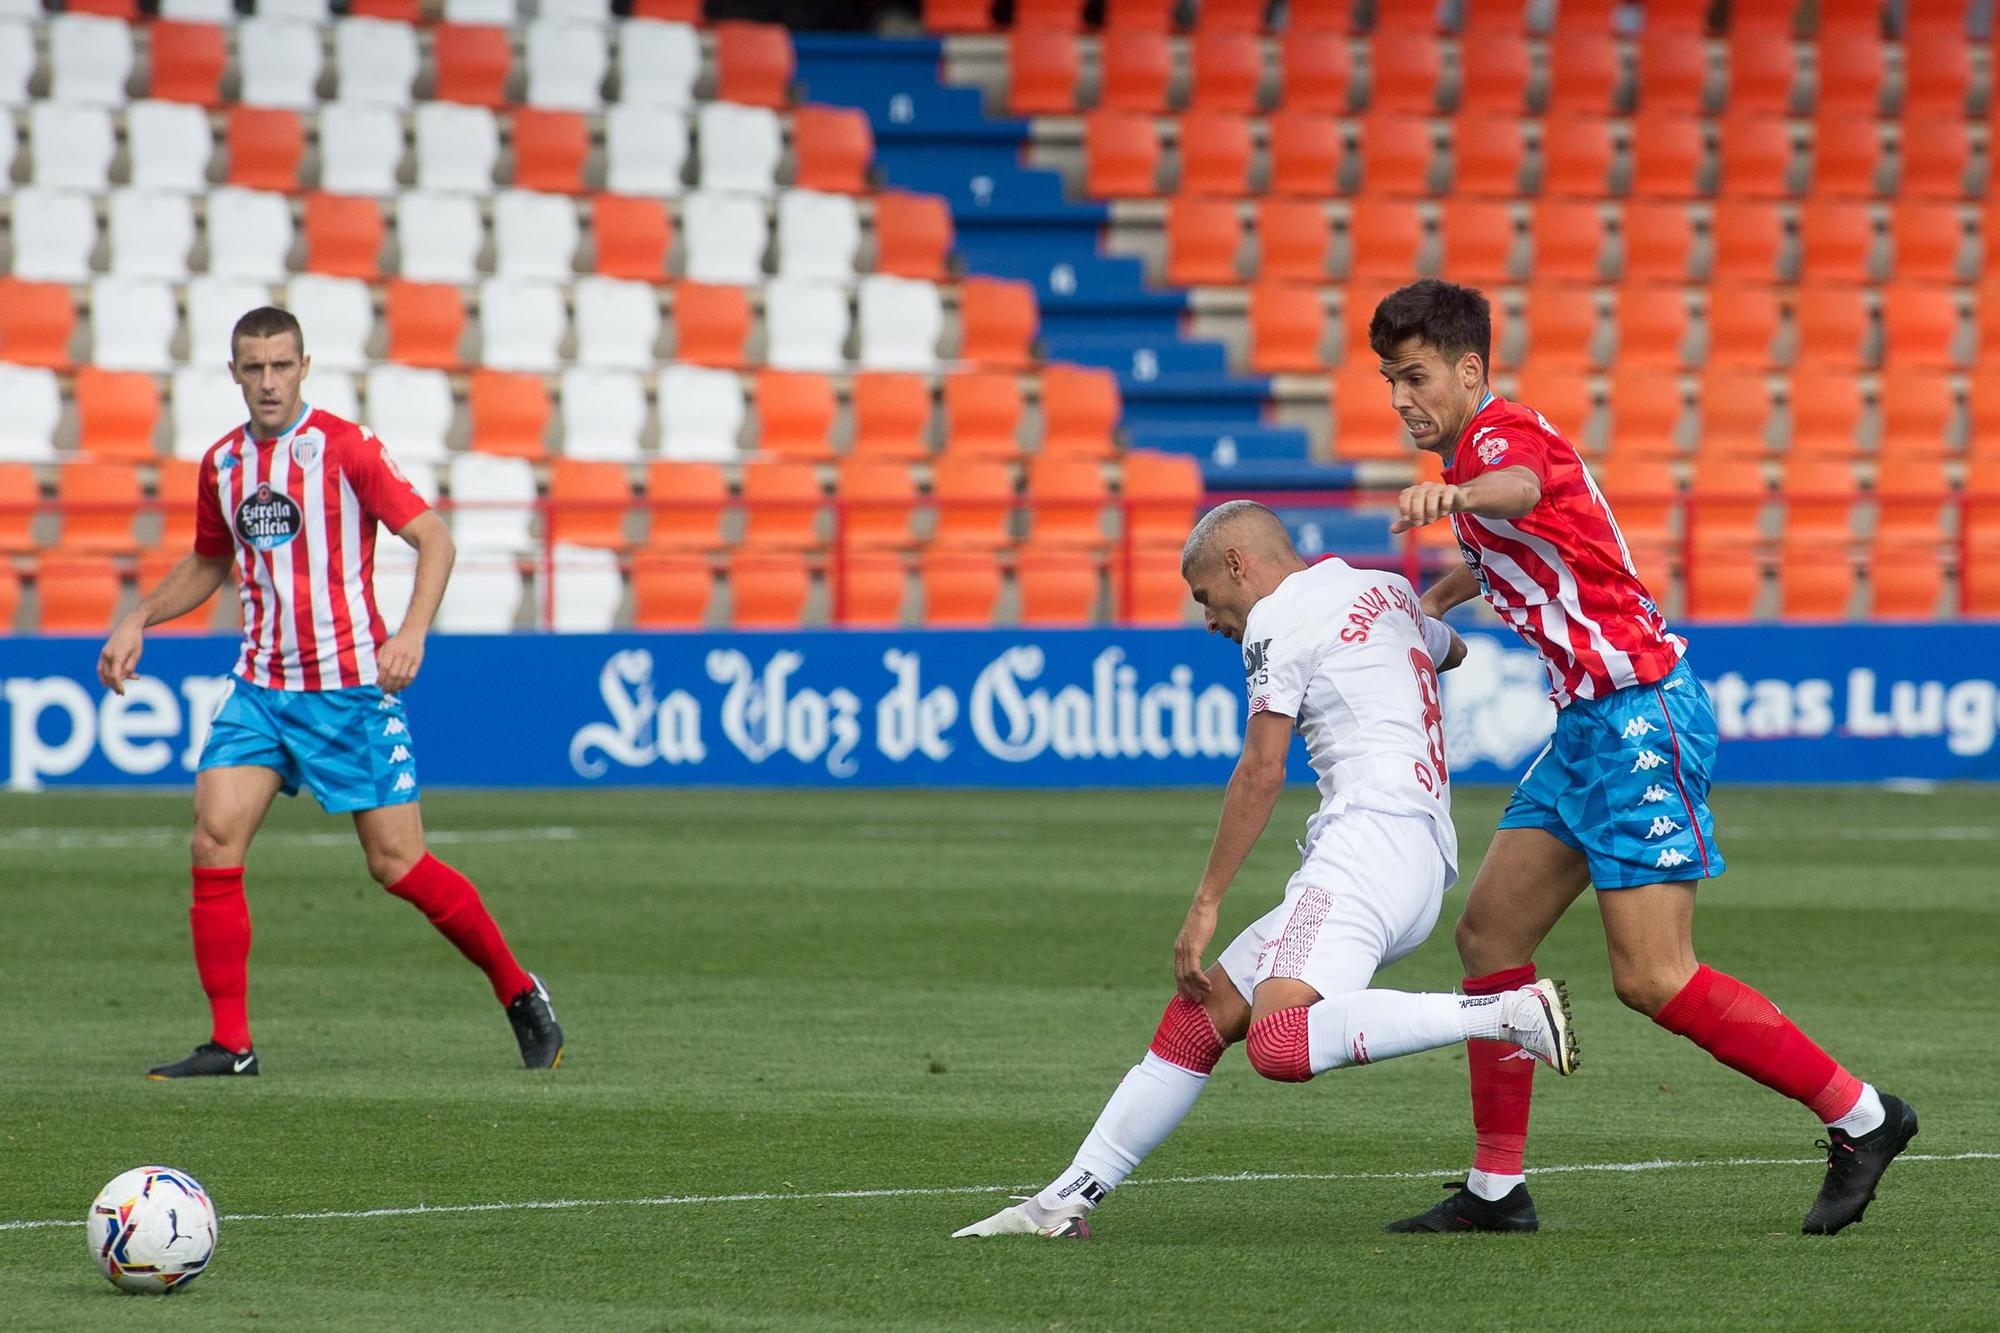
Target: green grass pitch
{"type": "Point", "coordinates": [790, 996]}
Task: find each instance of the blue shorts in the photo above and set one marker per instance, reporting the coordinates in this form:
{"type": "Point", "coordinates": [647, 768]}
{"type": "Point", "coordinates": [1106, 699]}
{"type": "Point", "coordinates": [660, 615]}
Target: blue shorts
{"type": "Point", "coordinates": [1625, 781]}
{"type": "Point", "coordinates": [351, 747]}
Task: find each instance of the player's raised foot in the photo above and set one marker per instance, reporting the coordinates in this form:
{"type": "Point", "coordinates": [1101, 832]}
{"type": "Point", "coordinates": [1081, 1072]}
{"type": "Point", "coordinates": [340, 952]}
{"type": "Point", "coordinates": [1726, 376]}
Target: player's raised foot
{"type": "Point", "coordinates": [1463, 1210]}
{"type": "Point", "coordinates": [1854, 1164]}
{"type": "Point", "coordinates": [209, 1060]}
{"type": "Point", "coordinates": [535, 1026]}
{"type": "Point", "coordinates": [1536, 1018]}
{"type": "Point", "coordinates": [1026, 1218]}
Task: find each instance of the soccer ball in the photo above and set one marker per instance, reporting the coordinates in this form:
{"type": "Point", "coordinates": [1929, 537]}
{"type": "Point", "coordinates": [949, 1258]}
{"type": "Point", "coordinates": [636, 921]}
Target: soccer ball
{"type": "Point", "coordinates": [152, 1230]}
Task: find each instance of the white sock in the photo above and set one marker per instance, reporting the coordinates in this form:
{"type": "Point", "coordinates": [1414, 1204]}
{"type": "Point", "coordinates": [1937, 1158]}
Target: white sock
{"type": "Point", "coordinates": [1866, 1117]}
{"type": "Point", "coordinates": [1491, 1186]}
{"type": "Point", "coordinates": [1364, 1026]}
{"type": "Point", "coordinates": [1155, 1096]}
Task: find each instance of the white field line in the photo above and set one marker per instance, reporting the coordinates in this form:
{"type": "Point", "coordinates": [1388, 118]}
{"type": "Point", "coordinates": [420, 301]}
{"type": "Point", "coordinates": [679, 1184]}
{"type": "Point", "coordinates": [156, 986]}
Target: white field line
{"type": "Point", "coordinates": [75, 839]}
{"type": "Point", "coordinates": [1232, 1178]}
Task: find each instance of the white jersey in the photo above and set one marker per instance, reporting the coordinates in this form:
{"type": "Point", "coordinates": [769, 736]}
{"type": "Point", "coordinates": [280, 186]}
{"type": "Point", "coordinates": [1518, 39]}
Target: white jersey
{"type": "Point", "coordinates": [1351, 657]}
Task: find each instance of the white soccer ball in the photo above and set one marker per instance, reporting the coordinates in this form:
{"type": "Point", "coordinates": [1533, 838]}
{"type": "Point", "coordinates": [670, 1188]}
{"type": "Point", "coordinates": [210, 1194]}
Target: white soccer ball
{"type": "Point", "coordinates": [152, 1230]}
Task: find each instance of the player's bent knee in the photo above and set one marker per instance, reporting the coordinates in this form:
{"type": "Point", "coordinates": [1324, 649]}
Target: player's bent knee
{"type": "Point", "coordinates": [1278, 1047]}
{"type": "Point", "coordinates": [1188, 1037]}
{"type": "Point", "coordinates": [390, 869]}
{"type": "Point", "coordinates": [1646, 991]}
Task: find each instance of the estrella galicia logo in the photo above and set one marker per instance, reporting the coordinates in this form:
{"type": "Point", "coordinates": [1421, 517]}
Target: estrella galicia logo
{"type": "Point", "coordinates": [267, 519]}
{"type": "Point", "coordinates": [1255, 671]}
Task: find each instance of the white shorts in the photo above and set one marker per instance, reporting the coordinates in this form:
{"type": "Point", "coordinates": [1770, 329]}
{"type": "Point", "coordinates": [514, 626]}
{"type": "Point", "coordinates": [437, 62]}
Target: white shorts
{"type": "Point", "coordinates": [1369, 892]}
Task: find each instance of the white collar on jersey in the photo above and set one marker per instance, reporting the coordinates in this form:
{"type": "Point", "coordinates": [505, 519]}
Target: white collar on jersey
{"type": "Point", "coordinates": [1484, 403]}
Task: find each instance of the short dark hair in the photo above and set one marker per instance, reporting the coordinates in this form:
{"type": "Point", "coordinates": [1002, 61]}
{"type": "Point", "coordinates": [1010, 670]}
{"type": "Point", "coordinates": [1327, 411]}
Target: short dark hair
{"type": "Point", "coordinates": [266, 321]}
{"type": "Point", "coordinates": [1453, 319]}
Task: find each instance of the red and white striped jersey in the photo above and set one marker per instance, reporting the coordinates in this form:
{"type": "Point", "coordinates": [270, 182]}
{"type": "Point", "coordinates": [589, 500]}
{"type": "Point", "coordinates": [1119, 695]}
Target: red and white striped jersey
{"type": "Point", "coordinates": [299, 511]}
{"type": "Point", "coordinates": [1560, 574]}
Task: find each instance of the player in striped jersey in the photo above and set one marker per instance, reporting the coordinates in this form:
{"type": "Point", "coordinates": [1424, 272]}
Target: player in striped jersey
{"type": "Point", "coordinates": [1619, 798]}
{"type": "Point", "coordinates": [289, 502]}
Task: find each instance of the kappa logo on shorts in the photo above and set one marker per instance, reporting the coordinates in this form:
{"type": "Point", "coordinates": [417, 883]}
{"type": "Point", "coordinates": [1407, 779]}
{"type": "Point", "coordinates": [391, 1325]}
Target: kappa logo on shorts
{"type": "Point", "coordinates": [400, 755]}
{"type": "Point", "coordinates": [267, 519]}
{"type": "Point", "coordinates": [1671, 857]}
{"type": "Point", "coordinates": [395, 727]}
{"type": "Point", "coordinates": [1662, 825]}
{"type": "Point", "coordinates": [1653, 794]}
{"type": "Point", "coordinates": [404, 782]}
{"type": "Point", "coordinates": [1647, 761]}
{"type": "Point", "coordinates": [1638, 727]}
{"type": "Point", "coordinates": [386, 703]}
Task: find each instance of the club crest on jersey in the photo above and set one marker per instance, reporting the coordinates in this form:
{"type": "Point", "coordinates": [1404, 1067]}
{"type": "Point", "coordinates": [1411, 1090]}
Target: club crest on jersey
{"type": "Point", "coordinates": [267, 519]}
{"type": "Point", "coordinates": [1492, 449]}
{"type": "Point", "coordinates": [307, 446]}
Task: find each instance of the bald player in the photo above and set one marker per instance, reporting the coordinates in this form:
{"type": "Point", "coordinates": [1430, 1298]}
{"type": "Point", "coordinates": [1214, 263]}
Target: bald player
{"type": "Point", "coordinates": [1348, 659]}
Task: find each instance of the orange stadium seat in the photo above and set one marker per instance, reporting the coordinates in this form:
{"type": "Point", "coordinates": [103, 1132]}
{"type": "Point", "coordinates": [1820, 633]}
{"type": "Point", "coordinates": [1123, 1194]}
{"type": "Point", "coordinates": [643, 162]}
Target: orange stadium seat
{"type": "Point", "coordinates": [1583, 71]}
{"type": "Point", "coordinates": [961, 588]}
{"type": "Point", "coordinates": [795, 412]}
{"type": "Point", "coordinates": [1066, 499]}
{"type": "Point", "coordinates": [1136, 66]}
{"type": "Point", "coordinates": [588, 502]}
{"type": "Point", "coordinates": [154, 566]}
{"type": "Point", "coordinates": [781, 504]}
{"type": "Point", "coordinates": [1042, 72]}
{"type": "Point", "coordinates": [1316, 71]}
{"type": "Point", "coordinates": [1121, 153]}
{"type": "Point", "coordinates": [1646, 409]}
{"type": "Point", "coordinates": [1726, 502]}
{"type": "Point", "coordinates": [1306, 151]}
{"type": "Point", "coordinates": [1673, 70]}
{"type": "Point", "coordinates": [1228, 67]}
{"type": "Point", "coordinates": [127, 10]}
{"type": "Point", "coordinates": [1215, 153]}
{"type": "Point", "coordinates": [472, 64]}
{"type": "Point", "coordinates": [1980, 576]}
{"type": "Point", "coordinates": [1230, 16]}
{"type": "Point", "coordinates": [1577, 162]}
{"type": "Point", "coordinates": [1983, 410]}
{"type": "Point", "coordinates": [343, 236]}
{"type": "Point", "coordinates": [1820, 495]}
{"type": "Point", "coordinates": [1909, 499]}
{"type": "Point", "coordinates": [1287, 327]}
{"type": "Point", "coordinates": [426, 321]}
{"type": "Point", "coordinates": [1826, 412]}
{"type": "Point", "coordinates": [1945, 58]}
{"type": "Point", "coordinates": [20, 493]}
{"type": "Point", "coordinates": [1203, 238]}
{"type": "Point", "coordinates": [1569, 240]}
{"type": "Point", "coordinates": [1667, 152]}
{"type": "Point", "coordinates": [1139, 15]}
{"type": "Point", "coordinates": [671, 591]}
{"type": "Point", "coordinates": [1762, 70]}
{"type": "Point", "coordinates": [1837, 238]}
{"type": "Point", "coordinates": [1928, 236]}
{"type": "Point", "coordinates": [99, 503]}
{"type": "Point", "coordinates": [892, 414]}
{"type": "Point", "coordinates": [973, 499]}
{"type": "Point", "coordinates": [1080, 407]}
{"type": "Point", "coordinates": [1293, 238]}
{"type": "Point", "coordinates": [265, 145]}
{"type": "Point", "coordinates": [940, 16]}
{"type": "Point", "coordinates": [1846, 156]}
{"type": "Point", "coordinates": [117, 411]}
{"type": "Point", "coordinates": [1498, 83]}
{"type": "Point", "coordinates": [913, 235]}
{"type": "Point", "coordinates": [77, 593]}
{"type": "Point", "coordinates": [549, 150]}
{"type": "Point", "coordinates": [1642, 493]}
{"type": "Point", "coordinates": [1905, 580]}
{"type": "Point", "coordinates": [1562, 326]}
{"type": "Point", "coordinates": [1652, 327]}
{"type": "Point", "coordinates": [633, 237]}
{"type": "Point", "coordinates": [1851, 70]}
{"type": "Point", "coordinates": [37, 321]}
{"type": "Point", "coordinates": [1056, 587]}
{"type": "Point", "coordinates": [1919, 326]}
{"type": "Point", "coordinates": [1396, 151]}
{"type": "Point", "coordinates": [1832, 323]}
{"type": "Point", "coordinates": [1566, 398]}
{"type": "Point", "coordinates": [510, 413]}
{"type": "Point", "coordinates": [1935, 155]}
{"type": "Point", "coordinates": [1160, 493]}
{"type": "Point", "coordinates": [1478, 240]}
{"type": "Point", "coordinates": [175, 481]}
{"type": "Point", "coordinates": [1813, 583]}
{"type": "Point", "coordinates": [1147, 588]}
{"type": "Point", "coordinates": [767, 589]}
{"type": "Point", "coordinates": [877, 501]}
{"type": "Point", "coordinates": [1916, 408]}
{"type": "Point", "coordinates": [1403, 70]}
{"type": "Point", "coordinates": [1742, 324]}
{"type": "Point", "coordinates": [187, 60]}
{"type": "Point", "coordinates": [1064, 15]}
{"type": "Point", "coordinates": [1488, 153]}
{"type": "Point", "coordinates": [833, 147]}
{"type": "Point", "coordinates": [1659, 241]}
{"type": "Point", "coordinates": [1724, 579]}
{"type": "Point", "coordinates": [870, 589]}
{"type": "Point", "coordinates": [1735, 410]}
{"type": "Point", "coordinates": [753, 63]}
{"type": "Point", "coordinates": [982, 414]}
{"type": "Point", "coordinates": [1364, 426]}
{"type": "Point", "coordinates": [711, 324]}
{"type": "Point", "coordinates": [396, 11]}
{"type": "Point", "coordinates": [999, 321]}
{"type": "Point", "coordinates": [686, 502]}
{"type": "Point", "coordinates": [1756, 157]}
{"type": "Point", "coordinates": [1749, 238]}
{"type": "Point", "coordinates": [1384, 239]}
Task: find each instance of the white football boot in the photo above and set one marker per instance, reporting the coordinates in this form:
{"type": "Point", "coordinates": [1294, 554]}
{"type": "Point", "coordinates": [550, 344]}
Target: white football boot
{"type": "Point", "coordinates": [1026, 1218]}
{"type": "Point", "coordinates": [1536, 1018]}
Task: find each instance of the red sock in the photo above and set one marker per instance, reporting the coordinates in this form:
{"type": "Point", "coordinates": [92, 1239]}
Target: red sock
{"type": "Point", "coordinates": [1502, 1084]}
{"type": "Point", "coordinates": [220, 920]}
{"type": "Point", "coordinates": [449, 901]}
{"type": "Point", "coordinates": [1738, 1026]}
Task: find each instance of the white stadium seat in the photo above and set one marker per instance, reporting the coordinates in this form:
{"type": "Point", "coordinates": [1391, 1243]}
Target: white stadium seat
{"type": "Point", "coordinates": [535, 235]}
{"type": "Point", "coordinates": [423, 477]}
{"type": "Point", "coordinates": [658, 63]}
{"type": "Point", "coordinates": [617, 323]}
{"type": "Point", "coordinates": [151, 234]}
{"type": "Point", "coordinates": [587, 589]}
{"type": "Point", "coordinates": [726, 235]}
{"type": "Point", "coordinates": [740, 147]}
{"type": "Point", "coordinates": [439, 236]}
{"type": "Point", "coordinates": [302, 11]}
{"type": "Point", "coordinates": [280, 61]}
{"type": "Point", "coordinates": [169, 145]}
{"type": "Point", "coordinates": [205, 405]}
{"type": "Point", "coordinates": [603, 414]}
{"type": "Point", "coordinates": [806, 324]}
{"type": "Point", "coordinates": [72, 146]}
{"type": "Point", "coordinates": [701, 413]}
{"type": "Point", "coordinates": [645, 150]}
{"type": "Point", "coordinates": [411, 410]}
{"type": "Point", "coordinates": [132, 324]}
{"type": "Point", "coordinates": [360, 148]}
{"type": "Point", "coordinates": [521, 324]}
{"type": "Point", "coordinates": [457, 147]}
{"type": "Point", "coordinates": [333, 391]}
{"type": "Point", "coordinates": [17, 61]}
{"type": "Point", "coordinates": [338, 315]}
{"type": "Point", "coordinates": [9, 147]}
{"type": "Point", "coordinates": [395, 576]}
{"type": "Point", "coordinates": [818, 235]}
{"type": "Point", "coordinates": [378, 62]}
{"type": "Point", "coordinates": [575, 11]}
{"type": "Point", "coordinates": [213, 307]}
{"type": "Point", "coordinates": [202, 11]}
{"type": "Point", "coordinates": [90, 59]}
{"type": "Point", "coordinates": [249, 233]}
{"type": "Point", "coordinates": [498, 499]}
{"type": "Point", "coordinates": [495, 12]}
{"type": "Point", "coordinates": [484, 595]}
{"type": "Point", "coordinates": [566, 64]}
{"type": "Point", "coordinates": [30, 407]}
{"type": "Point", "coordinates": [901, 319]}
{"type": "Point", "coordinates": [54, 232]}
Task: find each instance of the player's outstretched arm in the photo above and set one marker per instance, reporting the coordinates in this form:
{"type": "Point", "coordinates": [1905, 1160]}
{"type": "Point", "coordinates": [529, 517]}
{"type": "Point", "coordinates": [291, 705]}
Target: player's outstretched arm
{"type": "Point", "coordinates": [403, 655]}
{"type": "Point", "coordinates": [1456, 587]}
{"type": "Point", "coordinates": [1504, 493]}
{"type": "Point", "coordinates": [1246, 808]}
{"type": "Point", "coordinates": [186, 586]}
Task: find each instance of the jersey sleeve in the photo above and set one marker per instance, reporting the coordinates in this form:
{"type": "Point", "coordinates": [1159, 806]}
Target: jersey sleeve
{"type": "Point", "coordinates": [1437, 640]}
{"type": "Point", "coordinates": [385, 493]}
{"type": "Point", "coordinates": [1511, 445]}
{"type": "Point", "coordinates": [212, 537]}
{"type": "Point", "coordinates": [1278, 664]}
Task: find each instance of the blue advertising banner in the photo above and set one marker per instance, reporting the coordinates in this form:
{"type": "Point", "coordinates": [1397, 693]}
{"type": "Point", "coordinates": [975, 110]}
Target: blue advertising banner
{"type": "Point", "coordinates": [998, 708]}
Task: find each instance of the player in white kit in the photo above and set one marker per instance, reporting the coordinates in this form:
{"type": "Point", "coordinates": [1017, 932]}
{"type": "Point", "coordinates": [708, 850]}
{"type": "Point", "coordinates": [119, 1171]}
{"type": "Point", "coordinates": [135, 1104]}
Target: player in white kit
{"type": "Point", "coordinates": [1348, 658]}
